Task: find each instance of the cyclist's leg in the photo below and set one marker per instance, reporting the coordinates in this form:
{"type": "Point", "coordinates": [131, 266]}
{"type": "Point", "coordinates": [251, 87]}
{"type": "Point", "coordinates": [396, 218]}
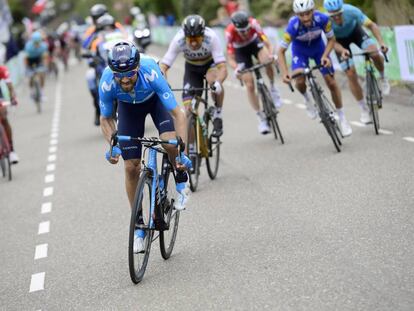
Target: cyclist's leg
{"type": "Point", "coordinates": [5, 122]}
{"type": "Point", "coordinates": [211, 77]}
{"type": "Point", "coordinates": [264, 56]}
{"type": "Point", "coordinates": [131, 122]}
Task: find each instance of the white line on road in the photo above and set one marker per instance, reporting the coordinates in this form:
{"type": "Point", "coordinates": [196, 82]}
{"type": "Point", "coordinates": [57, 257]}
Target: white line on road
{"type": "Point", "coordinates": [46, 207]}
{"type": "Point", "coordinates": [44, 227]}
{"type": "Point", "coordinates": [287, 101]}
{"type": "Point", "coordinates": [52, 158]}
{"type": "Point", "coordinates": [54, 135]}
{"type": "Point", "coordinates": [53, 141]}
{"type": "Point", "coordinates": [48, 191]}
{"type": "Point", "coordinates": [410, 139]}
{"type": "Point", "coordinates": [49, 178]}
{"type": "Point", "coordinates": [50, 167]}
{"type": "Point", "coordinates": [38, 282]}
{"type": "Point", "coordinates": [358, 124]}
{"type": "Point", "coordinates": [41, 251]}
{"type": "Point", "coordinates": [52, 149]}
{"type": "Point", "coordinates": [301, 106]}
{"type": "Point", "coordinates": [385, 132]}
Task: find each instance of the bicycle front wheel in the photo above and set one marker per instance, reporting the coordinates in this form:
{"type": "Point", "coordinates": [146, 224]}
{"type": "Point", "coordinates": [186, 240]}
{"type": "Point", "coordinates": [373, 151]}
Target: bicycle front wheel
{"type": "Point", "coordinates": [373, 100]}
{"type": "Point", "coordinates": [271, 114]}
{"type": "Point", "coordinates": [140, 219]}
{"type": "Point", "coordinates": [193, 134]}
{"type": "Point", "coordinates": [170, 214]}
{"type": "Point", "coordinates": [37, 95]}
{"type": "Point", "coordinates": [213, 159]}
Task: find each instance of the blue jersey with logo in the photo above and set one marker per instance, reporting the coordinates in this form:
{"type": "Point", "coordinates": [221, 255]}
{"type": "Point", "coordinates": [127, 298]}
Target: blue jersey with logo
{"type": "Point", "coordinates": [33, 51]}
{"type": "Point", "coordinates": [150, 82]}
{"type": "Point", "coordinates": [352, 17]}
{"type": "Point", "coordinates": [303, 37]}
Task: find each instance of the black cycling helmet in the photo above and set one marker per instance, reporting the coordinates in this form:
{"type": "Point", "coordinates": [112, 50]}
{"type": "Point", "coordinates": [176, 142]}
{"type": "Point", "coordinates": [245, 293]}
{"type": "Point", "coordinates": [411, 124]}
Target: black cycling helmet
{"type": "Point", "coordinates": [98, 10]}
{"type": "Point", "coordinates": [123, 57]}
{"type": "Point", "coordinates": [240, 19]}
{"type": "Point", "coordinates": [105, 20]}
{"type": "Point", "coordinates": [194, 25]}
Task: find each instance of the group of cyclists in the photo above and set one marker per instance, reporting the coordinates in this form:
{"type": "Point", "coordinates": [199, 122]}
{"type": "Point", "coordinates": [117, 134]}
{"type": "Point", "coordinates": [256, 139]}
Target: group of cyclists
{"type": "Point", "coordinates": [127, 85]}
{"type": "Point", "coordinates": [139, 85]}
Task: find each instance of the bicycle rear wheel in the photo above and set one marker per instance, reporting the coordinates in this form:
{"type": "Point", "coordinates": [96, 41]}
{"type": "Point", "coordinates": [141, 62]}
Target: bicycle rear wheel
{"type": "Point", "coordinates": [140, 218]}
{"type": "Point", "coordinates": [37, 95]}
{"type": "Point", "coordinates": [373, 100]}
{"type": "Point", "coordinates": [194, 173]}
{"type": "Point", "coordinates": [213, 159]}
{"type": "Point", "coordinates": [170, 214]}
{"type": "Point", "coordinates": [271, 113]}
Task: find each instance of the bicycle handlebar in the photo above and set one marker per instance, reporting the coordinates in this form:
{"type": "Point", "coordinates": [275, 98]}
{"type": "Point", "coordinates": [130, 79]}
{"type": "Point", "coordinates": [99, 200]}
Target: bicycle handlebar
{"type": "Point", "coordinates": [258, 66]}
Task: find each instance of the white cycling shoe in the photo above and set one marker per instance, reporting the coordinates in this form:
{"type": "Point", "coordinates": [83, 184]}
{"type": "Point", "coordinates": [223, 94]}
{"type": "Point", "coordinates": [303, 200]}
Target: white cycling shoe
{"type": "Point", "coordinates": [182, 198]}
{"type": "Point", "coordinates": [346, 129]}
{"type": "Point", "coordinates": [14, 158]}
{"type": "Point", "coordinates": [365, 117]}
{"type": "Point", "coordinates": [264, 127]}
{"type": "Point", "coordinates": [138, 245]}
{"type": "Point", "coordinates": [276, 97]}
{"type": "Point", "coordinates": [310, 109]}
{"type": "Point", "coordinates": [385, 86]}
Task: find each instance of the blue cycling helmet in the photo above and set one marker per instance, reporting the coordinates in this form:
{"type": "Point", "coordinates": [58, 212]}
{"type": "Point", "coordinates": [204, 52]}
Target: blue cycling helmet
{"type": "Point", "coordinates": [333, 5]}
{"type": "Point", "coordinates": [36, 36]}
{"type": "Point", "coordinates": [123, 57]}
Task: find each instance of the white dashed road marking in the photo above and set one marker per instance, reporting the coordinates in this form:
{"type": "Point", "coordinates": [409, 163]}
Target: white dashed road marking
{"type": "Point", "coordinates": [49, 178]}
{"type": "Point", "coordinates": [385, 132]}
{"type": "Point", "coordinates": [50, 167]}
{"type": "Point", "coordinates": [38, 282]}
{"type": "Point", "coordinates": [46, 207]}
{"type": "Point", "coordinates": [52, 158]}
{"type": "Point", "coordinates": [44, 227]}
{"type": "Point", "coordinates": [410, 139]}
{"type": "Point", "coordinates": [47, 192]}
{"type": "Point", "coordinates": [358, 124]}
{"type": "Point", "coordinates": [41, 251]}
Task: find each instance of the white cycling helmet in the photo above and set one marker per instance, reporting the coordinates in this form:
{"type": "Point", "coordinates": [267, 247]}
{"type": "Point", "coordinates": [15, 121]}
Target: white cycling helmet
{"type": "Point", "coordinates": [300, 6]}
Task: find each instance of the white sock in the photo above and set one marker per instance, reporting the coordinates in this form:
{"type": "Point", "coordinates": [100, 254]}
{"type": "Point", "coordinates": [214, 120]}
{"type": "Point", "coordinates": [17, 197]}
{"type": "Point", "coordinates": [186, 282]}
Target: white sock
{"type": "Point", "coordinates": [218, 113]}
{"type": "Point", "coordinates": [261, 115]}
{"type": "Point", "coordinates": [382, 75]}
{"type": "Point", "coordinates": [362, 104]}
{"type": "Point", "coordinates": [341, 113]}
{"type": "Point", "coordinates": [191, 147]}
{"type": "Point", "coordinates": [307, 96]}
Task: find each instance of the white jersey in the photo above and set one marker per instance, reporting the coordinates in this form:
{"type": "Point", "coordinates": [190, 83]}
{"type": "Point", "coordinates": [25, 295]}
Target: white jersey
{"type": "Point", "coordinates": [210, 50]}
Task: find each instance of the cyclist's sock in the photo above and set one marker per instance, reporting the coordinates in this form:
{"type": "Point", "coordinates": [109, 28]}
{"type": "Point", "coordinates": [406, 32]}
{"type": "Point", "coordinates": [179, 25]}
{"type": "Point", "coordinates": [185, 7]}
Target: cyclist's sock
{"type": "Point", "coordinates": [362, 104]}
{"type": "Point", "coordinates": [218, 113]}
{"type": "Point", "coordinates": [341, 113]}
{"type": "Point", "coordinates": [382, 75]}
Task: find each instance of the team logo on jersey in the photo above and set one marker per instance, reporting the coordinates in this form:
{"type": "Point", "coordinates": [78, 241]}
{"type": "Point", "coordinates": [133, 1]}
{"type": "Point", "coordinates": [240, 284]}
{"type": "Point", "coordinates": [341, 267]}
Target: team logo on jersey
{"type": "Point", "coordinates": [107, 87]}
{"type": "Point", "coordinates": [166, 95]}
{"type": "Point", "coordinates": [152, 77]}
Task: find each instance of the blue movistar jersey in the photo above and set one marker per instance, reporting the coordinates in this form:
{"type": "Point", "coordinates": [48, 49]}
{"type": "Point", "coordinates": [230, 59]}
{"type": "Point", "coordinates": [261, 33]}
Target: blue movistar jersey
{"type": "Point", "coordinates": [352, 17]}
{"type": "Point", "coordinates": [305, 37]}
{"type": "Point", "coordinates": [33, 51]}
{"type": "Point", "coordinates": [150, 82]}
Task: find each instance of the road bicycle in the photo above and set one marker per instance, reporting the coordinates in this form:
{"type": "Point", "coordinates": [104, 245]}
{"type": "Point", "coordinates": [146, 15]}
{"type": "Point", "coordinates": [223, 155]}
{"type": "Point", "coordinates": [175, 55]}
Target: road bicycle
{"type": "Point", "coordinates": [153, 209]}
{"type": "Point", "coordinates": [269, 107]}
{"type": "Point", "coordinates": [372, 90]}
{"type": "Point", "coordinates": [324, 107]}
{"type": "Point", "coordinates": [36, 89]}
{"type": "Point", "coordinates": [5, 149]}
{"type": "Point", "coordinates": [200, 118]}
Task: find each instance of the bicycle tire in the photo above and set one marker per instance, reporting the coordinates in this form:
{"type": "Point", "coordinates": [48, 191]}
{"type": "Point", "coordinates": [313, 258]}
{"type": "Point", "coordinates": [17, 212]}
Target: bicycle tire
{"type": "Point", "coordinates": [373, 106]}
{"type": "Point", "coordinates": [37, 95]}
{"type": "Point", "coordinates": [194, 174]}
{"type": "Point", "coordinates": [3, 166]}
{"type": "Point", "coordinates": [170, 214]}
{"type": "Point", "coordinates": [271, 114]}
{"type": "Point", "coordinates": [140, 260]}
{"type": "Point", "coordinates": [335, 126]}
{"type": "Point", "coordinates": [213, 159]}
{"type": "Point", "coordinates": [325, 119]}
{"type": "Point", "coordinates": [9, 165]}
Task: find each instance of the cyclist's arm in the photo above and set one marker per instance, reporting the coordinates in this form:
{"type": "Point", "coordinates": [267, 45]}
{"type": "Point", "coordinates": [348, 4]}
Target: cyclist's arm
{"type": "Point", "coordinates": [375, 31]}
{"type": "Point", "coordinates": [282, 60]}
{"type": "Point", "coordinates": [221, 72]}
{"type": "Point", "coordinates": [164, 68]}
{"type": "Point", "coordinates": [232, 60]}
{"type": "Point", "coordinates": [219, 60]}
{"type": "Point", "coordinates": [169, 57]}
{"type": "Point", "coordinates": [180, 122]}
{"type": "Point", "coordinates": [106, 98]}
{"type": "Point", "coordinates": [108, 127]}
{"type": "Point", "coordinates": [331, 38]}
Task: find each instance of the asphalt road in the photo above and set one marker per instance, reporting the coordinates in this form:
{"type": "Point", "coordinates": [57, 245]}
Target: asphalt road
{"type": "Point", "coordinates": [284, 227]}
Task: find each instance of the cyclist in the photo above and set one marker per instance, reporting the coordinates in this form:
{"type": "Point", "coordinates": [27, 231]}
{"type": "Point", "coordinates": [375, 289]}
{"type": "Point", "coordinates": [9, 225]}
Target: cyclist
{"type": "Point", "coordinates": [304, 31]}
{"type": "Point", "coordinates": [204, 57]}
{"type": "Point", "coordinates": [347, 23]}
{"type": "Point", "coordinates": [4, 75]}
{"type": "Point", "coordinates": [245, 38]}
{"type": "Point", "coordinates": [140, 88]}
{"type": "Point", "coordinates": [36, 57]}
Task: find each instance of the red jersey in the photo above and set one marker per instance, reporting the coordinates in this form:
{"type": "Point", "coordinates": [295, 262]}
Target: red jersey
{"type": "Point", "coordinates": [236, 41]}
{"type": "Point", "coordinates": [4, 74]}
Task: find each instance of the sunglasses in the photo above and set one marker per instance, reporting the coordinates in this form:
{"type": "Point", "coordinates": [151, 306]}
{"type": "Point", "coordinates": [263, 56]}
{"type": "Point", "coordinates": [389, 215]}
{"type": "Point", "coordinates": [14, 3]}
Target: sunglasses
{"type": "Point", "coordinates": [195, 38]}
{"type": "Point", "coordinates": [335, 14]}
{"type": "Point", "coordinates": [128, 74]}
{"type": "Point", "coordinates": [305, 14]}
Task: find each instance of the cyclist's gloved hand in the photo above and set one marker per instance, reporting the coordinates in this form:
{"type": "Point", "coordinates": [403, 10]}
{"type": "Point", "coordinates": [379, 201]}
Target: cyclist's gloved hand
{"type": "Point", "coordinates": [116, 152]}
{"type": "Point", "coordinates": [184, 160]}
{"type": "Point", "coordinates": [216, 88]}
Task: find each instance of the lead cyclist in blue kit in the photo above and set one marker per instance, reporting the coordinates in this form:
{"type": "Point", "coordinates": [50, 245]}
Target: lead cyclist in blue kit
{"type": "Point", "coordinates": [304, 31]}
{"type": "Point", "coordinates": [140, 88]}
{"type": "Point", "coordinates": [347, 23]}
